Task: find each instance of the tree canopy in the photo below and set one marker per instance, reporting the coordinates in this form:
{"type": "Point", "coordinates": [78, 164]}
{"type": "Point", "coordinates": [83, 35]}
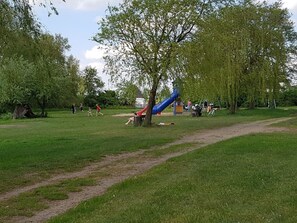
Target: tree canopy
{"type": "Point", "coordinates": [33, 66]}
{"type": "Point", "coordinates": [242, 51]}
{"type": "Point", "coordinates": [143, 37]}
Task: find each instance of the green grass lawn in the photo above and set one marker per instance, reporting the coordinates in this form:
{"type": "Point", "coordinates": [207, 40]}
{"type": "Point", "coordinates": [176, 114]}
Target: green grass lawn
{"type": "Point", "coordinates": [32, 150]}
{"type": "Point", "coordinates": [247, 179]}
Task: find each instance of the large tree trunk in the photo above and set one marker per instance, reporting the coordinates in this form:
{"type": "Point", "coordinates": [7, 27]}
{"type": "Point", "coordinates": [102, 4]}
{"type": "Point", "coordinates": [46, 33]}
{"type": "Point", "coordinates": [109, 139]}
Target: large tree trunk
{"type": "Point", "coordinates": [23, 111]}
{"type": "Point", "coordinates": [151, 103]}
{"type": "Point", "coordinates": [42, 105]}
{"type": "Point", "coordinates": [252, 104]}
{"type": "Point", "coordinates": [233, 106]}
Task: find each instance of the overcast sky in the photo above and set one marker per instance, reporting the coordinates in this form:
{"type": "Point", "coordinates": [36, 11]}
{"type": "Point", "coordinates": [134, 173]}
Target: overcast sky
{"type": "Point", "coordinates": [77, 21]}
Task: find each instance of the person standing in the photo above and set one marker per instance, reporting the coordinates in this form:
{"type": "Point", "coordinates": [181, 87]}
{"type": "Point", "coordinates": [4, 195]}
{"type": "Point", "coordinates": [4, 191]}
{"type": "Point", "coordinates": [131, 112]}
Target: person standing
{"type": "Point", "coordinates": [98, 110]}
{"type": "Point", "coordinates": [189, 105]}
{"type": "Point", "coordinates": [73, 108]}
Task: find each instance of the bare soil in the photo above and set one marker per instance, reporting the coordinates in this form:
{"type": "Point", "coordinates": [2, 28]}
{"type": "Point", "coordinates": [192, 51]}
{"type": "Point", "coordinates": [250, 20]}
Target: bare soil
{"type": "Point", "coordinates": [11, 126]}
{"type": "Point", "coordinates": [114, 169]}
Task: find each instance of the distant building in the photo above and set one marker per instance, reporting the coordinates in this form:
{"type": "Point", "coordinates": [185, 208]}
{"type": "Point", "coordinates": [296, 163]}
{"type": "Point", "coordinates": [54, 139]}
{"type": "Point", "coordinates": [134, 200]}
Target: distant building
{"type": "Point", "coordinates": [140, 100]}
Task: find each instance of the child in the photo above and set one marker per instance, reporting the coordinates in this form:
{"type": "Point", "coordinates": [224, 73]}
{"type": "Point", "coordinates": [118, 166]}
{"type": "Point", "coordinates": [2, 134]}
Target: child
{"type": "Point", "coordinates": [131, 119]}
{"type": "Point", "coordinates": [90, 112]}
{"type": "Point", "coordinates": [98, 109]}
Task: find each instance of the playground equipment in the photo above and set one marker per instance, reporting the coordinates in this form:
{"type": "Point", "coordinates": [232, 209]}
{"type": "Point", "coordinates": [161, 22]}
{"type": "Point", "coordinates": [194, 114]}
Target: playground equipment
{"type": "Point", "coordinates": [162, 105]}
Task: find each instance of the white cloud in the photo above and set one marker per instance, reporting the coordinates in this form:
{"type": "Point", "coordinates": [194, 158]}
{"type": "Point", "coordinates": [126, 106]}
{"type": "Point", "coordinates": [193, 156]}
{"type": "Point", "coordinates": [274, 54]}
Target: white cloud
{"type": "Point", "coordinates": [83, 5]}
{"type": "Point", "coordinates": [104, 77]}
{"type": "Point", "coordinates": [290, 4]}
{"type": "Point", "coordinates": [98, 65]}
{"type": "Point", "coordinates": [88, 5]}
{"type": "Point", "coordinates": [96, 53]}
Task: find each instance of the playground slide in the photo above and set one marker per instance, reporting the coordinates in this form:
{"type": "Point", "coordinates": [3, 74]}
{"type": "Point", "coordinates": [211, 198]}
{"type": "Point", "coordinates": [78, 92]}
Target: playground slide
{"type": "Point", "coordinates": [162, 105]}
{"type": "Point", "coordinates": [165, 103]}
{"type": "Point", "coordinates": [139, 113]}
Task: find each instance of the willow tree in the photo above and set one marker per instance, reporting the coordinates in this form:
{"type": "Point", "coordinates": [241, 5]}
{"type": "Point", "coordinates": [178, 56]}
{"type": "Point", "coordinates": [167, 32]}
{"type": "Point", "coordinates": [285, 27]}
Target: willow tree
{"type": "Point", "coordinates": [18, 25]}
{"type": "Point", "coordinates": [142, 37]}
{"type": "Point", "coordinates": [244, 50]}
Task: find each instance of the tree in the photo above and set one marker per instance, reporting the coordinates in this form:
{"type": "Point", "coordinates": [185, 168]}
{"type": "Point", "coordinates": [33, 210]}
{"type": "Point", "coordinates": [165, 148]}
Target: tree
{"type": "Point", "coordinates": [49, 82]}
{"type": "Point", "coordinates": [164, 92]}
{"type": "Point", "coordinates": [244, 51]}
{"type": "Point", "coordinates": [33, 66]}
{"type": "Point", "coordinates": [14, 76]}
{"type": "Point", "coordinates": [143, 36]}
{"type": "Point", "coordinates": [289, 97]}
{"type": "Point", "coordinates": [107, 98]}
{"type": "Point", "coordinates": [73, 80]}
{"type": "Point", "coordinates": [92, 84]}
{"type": "Point", "coordinates": [127, 92]}
{"type": "Point", "coordinates": [18, 24]}
{"type": "Point", "coordinates": [43, 79]}
{"type": "Point", "coordinates": [18, 28]}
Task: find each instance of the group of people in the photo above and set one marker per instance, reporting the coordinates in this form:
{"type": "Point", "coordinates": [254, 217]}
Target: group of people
{"type": "Point", "coordinates": [90, 112]}
{"type": "Point", "coordinates": [98, 111]}
{"type": "Point", "coordinates": [207, 107]}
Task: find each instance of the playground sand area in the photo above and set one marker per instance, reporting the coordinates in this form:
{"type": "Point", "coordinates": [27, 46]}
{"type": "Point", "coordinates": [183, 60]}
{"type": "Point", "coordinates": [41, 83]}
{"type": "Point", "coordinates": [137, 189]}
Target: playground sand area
{"type": "Point", "coordinates": [114, 169]}
{"type": "Point", "coordinates": [162, 114]}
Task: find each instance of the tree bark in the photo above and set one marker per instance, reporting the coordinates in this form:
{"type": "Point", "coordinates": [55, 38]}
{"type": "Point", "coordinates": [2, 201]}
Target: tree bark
{"type": "Point", "coordinates": [23, 111]}
{"type": "Point", "coordinates": [42, 105]}
{"type": "Point", "coordinates": [233, 107]}
{"type": "Point", "coordinates": [151, 103]}
{"type": "Point", "coordinates": [252, 104]}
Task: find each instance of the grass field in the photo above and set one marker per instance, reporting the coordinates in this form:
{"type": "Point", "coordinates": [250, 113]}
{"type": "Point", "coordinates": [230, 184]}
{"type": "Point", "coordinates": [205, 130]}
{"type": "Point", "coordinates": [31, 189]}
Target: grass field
{"type": "Point", "coordinates": [188, 189]}
{"type": "Point", "coordinates": [247, 179]}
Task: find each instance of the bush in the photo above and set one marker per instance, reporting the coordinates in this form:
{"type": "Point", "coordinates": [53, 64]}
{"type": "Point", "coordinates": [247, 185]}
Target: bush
{"type": "Point", "coordinates": [6, 116]}
{"type": "Point", "coordinates": [288, 97]}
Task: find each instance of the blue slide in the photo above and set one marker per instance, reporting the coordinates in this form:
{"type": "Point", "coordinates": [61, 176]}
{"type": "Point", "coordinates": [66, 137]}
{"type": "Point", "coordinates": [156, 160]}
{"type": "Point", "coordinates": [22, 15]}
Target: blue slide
{"type": "Point", "coordinates": [165, 103]}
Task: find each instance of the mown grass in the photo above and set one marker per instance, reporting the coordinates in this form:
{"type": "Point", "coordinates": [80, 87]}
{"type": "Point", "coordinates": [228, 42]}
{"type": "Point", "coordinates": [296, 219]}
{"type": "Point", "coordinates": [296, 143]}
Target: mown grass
{"type": "Point", "coordinates": [247, 179]}
{"type": "Point", "coordinates": [29, 202]}
{"type": "Point", "coordinates": [32, 150]}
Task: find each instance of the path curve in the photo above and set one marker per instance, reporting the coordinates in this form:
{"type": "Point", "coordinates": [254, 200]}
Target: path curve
{"type": "Point", "coordinates": [126, 165]}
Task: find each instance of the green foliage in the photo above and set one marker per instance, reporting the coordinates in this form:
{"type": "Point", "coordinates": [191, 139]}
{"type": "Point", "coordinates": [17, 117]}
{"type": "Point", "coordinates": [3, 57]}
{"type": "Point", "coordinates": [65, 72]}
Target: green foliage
{"type": "Point", "coordinates": [108, 98]}
{"type": "Point", "coordinates": [18, 25]}
{"type": "Point", "coordinates": [127, 92]}
{"type": "Point", "coordinates": [288, 97]}
{"type": "Point", "coordinates": [71, 85]}
{"type": "Point", "coordinates": [41, 79]}
{"type": "Point", "coordinates": [246, 50]}
{"type": "Point", "coordinates": [164, 92]}
{"type": "Point", "coordinates": [92, 86]}
{"type": "Point", "coordinates": [15, 78]}
{"type": "Point", "coordinates": [33, 66]}
{"type": "Point", "coordinates": [93, 83]}
{"type": "Point", "coordinates": [144, 36]}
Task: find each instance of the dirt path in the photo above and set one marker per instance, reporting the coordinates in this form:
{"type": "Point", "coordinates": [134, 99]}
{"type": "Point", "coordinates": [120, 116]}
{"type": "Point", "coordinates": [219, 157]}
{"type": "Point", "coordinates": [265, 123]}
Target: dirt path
{"type": "Point", "coordinates": [114, 169]}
